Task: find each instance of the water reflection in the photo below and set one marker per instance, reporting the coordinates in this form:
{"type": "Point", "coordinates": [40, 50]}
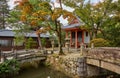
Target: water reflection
{"type": "Point", "coordinates": [41, 72]}
{"type": "Point", "coordinates": [48, 72]}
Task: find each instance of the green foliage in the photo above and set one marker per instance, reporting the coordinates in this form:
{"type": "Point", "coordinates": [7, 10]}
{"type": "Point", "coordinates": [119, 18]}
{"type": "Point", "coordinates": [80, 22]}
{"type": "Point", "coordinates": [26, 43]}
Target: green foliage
{"type": "Point", "coordinates": [43, 41]}
{"type": "Point", "coordinates": [55, 41]}
{"type": "Point", "coordinates": [30, 43]}
{"type": "Point", "coordinates": [101, 19]}
{"type": "Point", "coordinates": [33, 2]}
{"type": "Point", "coordinates": [13, 18]}
{"type": "Point", "coordinates": [113, 34]}
{"type": "Point", "coordinates": [19, 38]}
{"type": "Point", "coordinates": [20, 29]}
{"type": "Point", "coordinates": [100, 42]}
{"type": "Point", "coordinates": [9, 67]}
{"type": "Point", "coordinates": [93, 16]}
{"type": "Point", "coordinates": [4, 12]}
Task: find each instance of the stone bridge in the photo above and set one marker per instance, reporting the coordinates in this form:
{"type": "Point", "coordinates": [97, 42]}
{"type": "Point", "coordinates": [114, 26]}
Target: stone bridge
{"type": "Point", "coordinates": [77, 63]}
{"type": "Point", "coordinates": [22, 56]}
{"type": "Point", "coordinates": [88, 62]}
{"type": "Point", "coordinates": [104, 57]}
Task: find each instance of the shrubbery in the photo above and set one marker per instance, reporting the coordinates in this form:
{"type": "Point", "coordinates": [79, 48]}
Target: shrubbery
{"type": "Point", "coordinates": [30, 43]}
{"type": "Point", "coordinates": [99, 42]}
{"type": "Point", "coordinates": [9, 68]}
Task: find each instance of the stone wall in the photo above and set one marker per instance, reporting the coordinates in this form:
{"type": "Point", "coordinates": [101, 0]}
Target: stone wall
{"type": "Point", "coordinates": [71, 64]}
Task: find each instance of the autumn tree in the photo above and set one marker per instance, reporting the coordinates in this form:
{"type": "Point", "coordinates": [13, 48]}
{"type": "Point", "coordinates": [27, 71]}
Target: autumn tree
{"type": "Point", "coordinates": [42, 16]}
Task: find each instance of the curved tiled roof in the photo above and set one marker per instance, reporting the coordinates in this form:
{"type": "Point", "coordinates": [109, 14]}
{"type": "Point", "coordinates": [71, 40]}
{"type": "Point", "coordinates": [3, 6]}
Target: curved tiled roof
{"type": "Point", "coordinates": [71, 26]}
{"type": "Point", "coordinates": [74, 23]}
{"type": "Point", "coordinates": [10, 33]}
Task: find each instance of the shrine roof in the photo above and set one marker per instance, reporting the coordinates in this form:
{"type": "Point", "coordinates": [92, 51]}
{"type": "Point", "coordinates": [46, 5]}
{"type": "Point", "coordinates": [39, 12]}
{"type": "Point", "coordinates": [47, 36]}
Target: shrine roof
{"type": "Point", "coordinates": [76, 25]}
{"type": "Point", "coordinates": [10, 33]}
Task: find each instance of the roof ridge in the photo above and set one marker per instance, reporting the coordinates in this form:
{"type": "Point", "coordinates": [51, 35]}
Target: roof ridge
{"type": "Point", "coordinates": [5, 30]}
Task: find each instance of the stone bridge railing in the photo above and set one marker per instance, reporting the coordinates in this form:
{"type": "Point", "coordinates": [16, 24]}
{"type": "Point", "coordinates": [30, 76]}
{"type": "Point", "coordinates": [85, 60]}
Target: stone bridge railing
{"type": "Point", "coordinates": [109, 54]}
{"type": "Point", "coordinates": [21, 56]}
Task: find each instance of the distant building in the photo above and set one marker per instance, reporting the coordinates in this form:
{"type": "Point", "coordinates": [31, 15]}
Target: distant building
{"type": "Point", "coordinates": [7, 40]}
{"type": "Point", "coordinates": [76, 35]}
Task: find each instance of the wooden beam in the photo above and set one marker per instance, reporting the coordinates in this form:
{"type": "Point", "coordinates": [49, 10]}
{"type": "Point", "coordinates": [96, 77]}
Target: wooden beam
{"type": "Point", "coordinates": [76, 39]}
{"type": "Point", "coordinates": [71, 39]}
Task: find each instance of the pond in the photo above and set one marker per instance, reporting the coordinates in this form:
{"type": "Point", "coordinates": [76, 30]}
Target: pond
{"type": "Point", "coordinates": [48, 72]}
{"type": "Point", "coordinates": [41, 72]}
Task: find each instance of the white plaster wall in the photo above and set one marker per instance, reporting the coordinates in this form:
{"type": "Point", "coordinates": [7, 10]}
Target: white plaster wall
{"type": "Point", "coordinates": [86, 38]}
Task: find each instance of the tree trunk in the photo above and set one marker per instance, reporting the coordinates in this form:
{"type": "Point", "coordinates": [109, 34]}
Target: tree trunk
{"type": "Point", "coordinates": [103, 34]}
{"type": "Point", "coordinates": [39, 42]}
{"type": "Point", "coordinates": [95, 34]}
{"type": "Point", "coordinates": [60, 39]}
{"type": "Point", "coordinates": [60, 4]}
{"type": "Point", "coordinates": [60, 46]}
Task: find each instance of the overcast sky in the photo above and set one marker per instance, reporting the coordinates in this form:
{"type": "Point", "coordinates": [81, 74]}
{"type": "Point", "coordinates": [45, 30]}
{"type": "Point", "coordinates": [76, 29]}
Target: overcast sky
{"type": "Point", "coordinates": [11, 2]}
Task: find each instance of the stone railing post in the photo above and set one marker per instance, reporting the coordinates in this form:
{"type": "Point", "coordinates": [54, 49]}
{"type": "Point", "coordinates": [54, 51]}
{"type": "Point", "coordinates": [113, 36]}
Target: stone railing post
{"type": "Point", "coordinates": [45, 52]}
{"type": "Point", "coordinates": [82, 68]}
{"type": "Point", "coordinates": [15, 54]}
{"type": "Point", "coordinates": [67, 43]}
{"type": "Point", "coordinates": [67, 47]}
{"type": "Point", "coordinates": [81, 49]}
{"type": "Point", "coordinates": [3, 57]}
{"type": "Point", "coordinates": [12, 50]}
{"type": "Point", "coordinates": [92, 45]}
{"type": "Point", "coordinates": [52, 42]}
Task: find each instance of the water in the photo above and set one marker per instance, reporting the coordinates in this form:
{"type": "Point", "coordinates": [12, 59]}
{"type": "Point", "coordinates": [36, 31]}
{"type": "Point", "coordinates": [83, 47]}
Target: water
{"type": "Point", "coordinates": [41, 72]}
{"type": "Point", "coordinates": [48, 72]}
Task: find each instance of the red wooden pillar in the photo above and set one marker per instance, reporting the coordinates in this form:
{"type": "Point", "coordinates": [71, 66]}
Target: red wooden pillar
{"type": "Point", "coordinates": [76, 39]}
{"type": "Point", "coordinates": [82, 36]}
{"type": "Point", "coordinates": [71, 39]}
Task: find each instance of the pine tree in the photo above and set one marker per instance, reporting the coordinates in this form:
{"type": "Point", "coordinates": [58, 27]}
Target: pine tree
{"type": "Point", "coordinates": [4, 11]}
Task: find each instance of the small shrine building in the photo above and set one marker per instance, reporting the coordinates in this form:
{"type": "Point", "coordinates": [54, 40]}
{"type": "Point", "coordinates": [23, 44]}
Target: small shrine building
{"type": "Point", "coordinates": [76, 35]}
